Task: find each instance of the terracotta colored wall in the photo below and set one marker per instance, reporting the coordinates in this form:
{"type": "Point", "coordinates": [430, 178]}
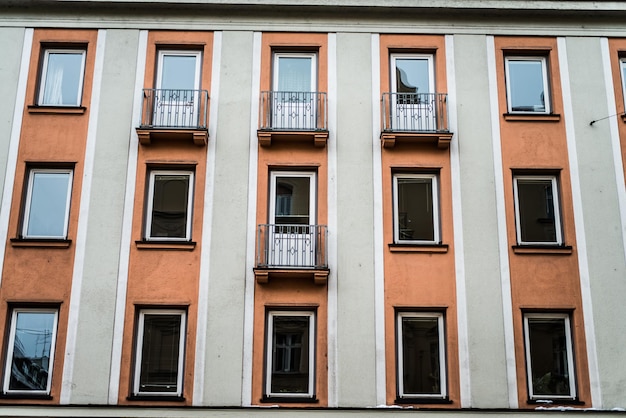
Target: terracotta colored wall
{"type": "Point", "coordinates": [419, 280]}
{"type": "Point", "coordinates": [39, 273]}
{"type": "Point", "coordinates": [547, 281]}
{"type": "Point", "coordinates": [166, 277]}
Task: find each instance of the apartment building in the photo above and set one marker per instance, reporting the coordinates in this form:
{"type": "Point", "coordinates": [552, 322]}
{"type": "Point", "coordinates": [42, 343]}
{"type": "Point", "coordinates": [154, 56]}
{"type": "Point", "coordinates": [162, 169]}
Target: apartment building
{"type": "Point", "coordinates": [231, 208]}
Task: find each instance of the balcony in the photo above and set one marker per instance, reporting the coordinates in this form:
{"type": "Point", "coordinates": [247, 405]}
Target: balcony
{"type": "Point", "coordinates": [293, 115]}
{"type": "Point", "coordinates": [174, 115]}
{"type": "Point", "coordinates": [415, 117]}
{"type": "Point", "coordinates": [288, 250]}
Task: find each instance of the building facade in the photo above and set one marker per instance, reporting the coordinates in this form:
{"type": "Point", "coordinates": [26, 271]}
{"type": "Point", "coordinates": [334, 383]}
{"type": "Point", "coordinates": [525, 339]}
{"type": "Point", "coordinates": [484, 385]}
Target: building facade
{"type": "Point", "coordinates": [225, 208]}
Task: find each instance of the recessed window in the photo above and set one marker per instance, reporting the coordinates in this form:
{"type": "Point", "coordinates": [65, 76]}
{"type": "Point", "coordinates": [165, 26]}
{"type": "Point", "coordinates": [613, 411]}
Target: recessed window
{"type": "Point", "coordinates": [62, 77]}
{"type": "Point", "coordinates": [622, 66]}
{"type": "Point", "coordinates": [294, 97]}
{"type": "Point", "coordinates": [160, 350]}
{"type": "Point", "coordinates": [30, 353]}
{"type": "Point", "coordinates": [170, 199]}
{"type": "Point", "coordinates": [416, 209]}
{"type": "Point", "coordinates": [421, 355]}
{"type": "Point", "coordinates": [527, 85]}
{"type": "Point", "coordinates": [290, 350]}
{"type": "Point", "coordinates": [537, 213]}
{"type": "Point", "coordinates": [47, 204]}
{"type": "Point", "coordinates": [549, 356]}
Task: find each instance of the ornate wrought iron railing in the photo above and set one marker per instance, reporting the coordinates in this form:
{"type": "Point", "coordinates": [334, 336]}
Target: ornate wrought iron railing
{"type": "Point", "coordinates": [291, 246]}
{"type": "Point", "coordinates": [293, 111]}
{"type": "Point", "coordinates": [415, 112]}
{"type": "Point", "coordinates": [178, 108]}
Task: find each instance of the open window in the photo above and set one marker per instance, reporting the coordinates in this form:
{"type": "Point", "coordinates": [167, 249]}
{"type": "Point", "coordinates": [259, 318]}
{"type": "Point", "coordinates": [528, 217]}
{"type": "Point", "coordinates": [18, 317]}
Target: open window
{"type": "Point", "coordinates": [537, 210]}
{"type": "Point", "coordinates": [290, 351]}
{"type": "Point", "coordinates": [527, 87]}
{"type": "Point", "coordinates": [416, 209]}
{"type": "Point", "coordinates": [47, 203]}
{"type": "Point", "coordinates": [160, 351]}
{"type": "Point", "coordinates": [421, 355]}
{"type": "Point", "coordinates": [549, 356]}
{"type": "Point", "coordinates": [62, 73]}
{"type": "Point", "coordinates": [30, 351]}
{"type": "Point", "coordinates": [169, 208]}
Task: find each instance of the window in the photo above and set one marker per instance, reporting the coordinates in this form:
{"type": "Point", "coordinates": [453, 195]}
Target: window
{"type": "Point", "coordinates": [62, 77]}
{"type": "Point", "coordinates": [416, 209]}
{"type": "Point", "coordinates": [30, 353]}
{"type": "Point", "coordinates": [622, 65]}
{"type": "Point", "coordinates": [177, 100]}
{"type": "Point", "coordinates": [47, 204]}
{"type": "Point", "coordinates": [549, 356]}
{"type": "Point", "coordinates": [160, 350]}
{"type": "Point", "coordinates": [421, 355]}
{"type": "Point", "coordinates": [169, 208]}
{"type": "Point", "coordinates": [294, 101]}
{"type": "Point", "coordinates": [537, 214]}
{"type": "Point", "coordinates": [290, 362]}
{"type": "Point", "coordinates": [527, 85]}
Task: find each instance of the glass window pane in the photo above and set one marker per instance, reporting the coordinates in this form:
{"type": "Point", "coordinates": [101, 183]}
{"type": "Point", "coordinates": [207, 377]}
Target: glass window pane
{"type": "Point", "coordinates": [178, 72]}
{"type": "Point", "coordinates": [32, 351]}
{"type": "Point", "coordinates": [412, 75]}
{"type": "Point", "coordinates": [290, 354]}
{"type": "Point", "coordinates": [536, 210]}
{"type": "Point", "coordinates": [294, 74]}
{"type": "Point", "coordinates": [62, 83]}
{"type": "Point", "coordinates": [420, 356]}
{"type": "Point", "coordinates": [48, 204]}
{"type": "Point", "coordinates": [170, 206]}
{"type": "Point", "coordinates": [293, 200]}
{"type": "Point", "coordinates": [160, 353]}
{"type": "Point", "coordinates": [415, 209]}
{"type": "Point", "coordinates": [548, 356]}
{"type": "Point", "coordinates": [526, 86]}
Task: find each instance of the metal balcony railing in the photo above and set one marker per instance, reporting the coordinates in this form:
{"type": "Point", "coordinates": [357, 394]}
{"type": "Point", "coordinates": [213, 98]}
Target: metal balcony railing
{"type": "Point", "coordinates": [415, 112]}
{"type": "Point", "coordinates": [293, 111]}
{"type": "Point", "coordinates": [291, 246]}
{"type": "Point", "coordinates": [178, 108]}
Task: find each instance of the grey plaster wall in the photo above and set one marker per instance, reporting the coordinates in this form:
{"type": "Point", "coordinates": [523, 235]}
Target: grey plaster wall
{"type": "Point", "coordinates": [601, 212]}
{"type": "Point", "coordinates": [223, 371]}
{"type": "Point", "coordinates": [11, 43]}
{"type": "Point", "coordinates": [355, 236]}
{"type": "Point", "coordinates": [480, 230]}
{"type": "Point", "coordinates": [98, 293]}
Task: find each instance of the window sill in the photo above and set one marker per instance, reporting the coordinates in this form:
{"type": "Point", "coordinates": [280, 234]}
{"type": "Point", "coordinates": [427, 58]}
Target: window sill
{"type": "Point", "coordinates": [418, 248]}
{"type": "Point", "coordinates": [57, 110]}
{"type": "Point", "coordinates": [543, 249]}
{"type": "Point", "coordinates": [555, 401]}
{"type": "Point", "coordinates": [532, 117]}
{"type": "Point", "coordinates": [157, 398]}
{"type": "Point", "coordinates": [438, 401]}
{"type": "Point", "coordinates": [166, 245]}
{"type": "Point", "coordinates": [41, 242]}
{"type": "Point", "coordinates": [16, 396]}
{"type": "Point", "coordinates": [287, 399]}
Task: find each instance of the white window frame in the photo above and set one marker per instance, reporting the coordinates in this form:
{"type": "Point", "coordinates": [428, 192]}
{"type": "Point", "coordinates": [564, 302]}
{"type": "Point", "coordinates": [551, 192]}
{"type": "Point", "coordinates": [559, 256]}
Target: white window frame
{"type": "Point", "coordinates": [435, 205]}
{"type": "Point", "coordinates": [44, 74]}
{"type": "Point", "coordinates": [622, 67]}
{"type": "Point", "coordinates": [139, 351]}
{"type": "Point", "coordinates": [274, 175]}
{"type": "Point", "coordinates": [29, 197]}
{"type": "Point", "coordinates": [279, 55]}
{"type": "Point", "coordinates": [431, 69]}
{"type": "Point", "coordinates": [11, 346]}
{"type": "Point", "coordinates": [442, 355]}
{"type": "Point", "coordinates": [269, 341]}
{"type": "Point", "coordinates": [546, 86]}
{"type": "Point", "coordinates": [570, 355]}
{"type": "Point", "coordinates": [150, 204]}
{"type": "Point", "coordinates": [556, 208]}
{"type": "Point", "coordinates": [167, 52]}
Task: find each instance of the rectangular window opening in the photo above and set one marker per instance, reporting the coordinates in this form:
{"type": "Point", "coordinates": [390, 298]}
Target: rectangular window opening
{"type": "Point", "coordinates": [549, 356]}
{"type": "Point", "coordinates": [160, 350]}
{"type": "Point", "coordinates": [30, 351]}
{"type": "Point", "coordinates": [416, 209]}
{"type": "Point", "coordinates": [527, 84]}
{"type": "Point", "coordinates": [537, 210]}
{"type": "Point", "coordinates": [421, 355]}
{"type": "Point", "coordinates": [169, 208]}
{"type": "Point", "coordinates": [62, 76]}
